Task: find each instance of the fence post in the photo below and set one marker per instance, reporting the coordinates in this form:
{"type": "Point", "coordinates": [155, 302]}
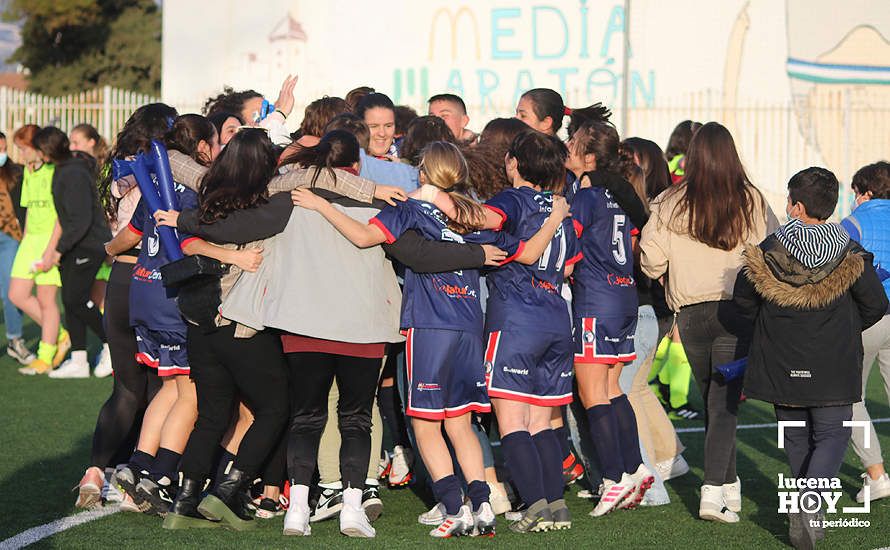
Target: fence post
{"type": "Point", "coordinates": [106, 111]}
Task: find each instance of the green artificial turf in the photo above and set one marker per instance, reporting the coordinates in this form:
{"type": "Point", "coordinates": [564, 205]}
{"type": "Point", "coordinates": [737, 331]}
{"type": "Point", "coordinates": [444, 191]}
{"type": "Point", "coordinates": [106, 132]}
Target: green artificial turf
{"type": "Point", "coordinates": [47, 426]}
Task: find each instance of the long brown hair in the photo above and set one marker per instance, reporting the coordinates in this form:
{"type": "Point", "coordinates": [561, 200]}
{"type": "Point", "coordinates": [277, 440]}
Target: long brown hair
{"type": "Point", "coordinates": [718, 198]}
{"type": "Point", "coordinates": [445, 167]}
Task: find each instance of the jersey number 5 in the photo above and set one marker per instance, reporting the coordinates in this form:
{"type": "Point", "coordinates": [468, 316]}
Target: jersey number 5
{"type": "Point", "coordinates": [618, 239]}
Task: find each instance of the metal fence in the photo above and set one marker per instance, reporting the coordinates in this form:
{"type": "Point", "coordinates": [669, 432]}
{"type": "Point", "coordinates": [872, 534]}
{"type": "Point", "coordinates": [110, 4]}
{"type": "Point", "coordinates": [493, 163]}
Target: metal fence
{"type": "Point", "coordinates": [105, 108]}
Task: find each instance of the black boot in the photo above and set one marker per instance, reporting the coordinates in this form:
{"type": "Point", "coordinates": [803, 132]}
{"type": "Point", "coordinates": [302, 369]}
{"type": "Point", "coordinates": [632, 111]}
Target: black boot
{"type": "Point", "coordinates": [184, 512]}
{"type": "Point", "coordinates": [228, 502]}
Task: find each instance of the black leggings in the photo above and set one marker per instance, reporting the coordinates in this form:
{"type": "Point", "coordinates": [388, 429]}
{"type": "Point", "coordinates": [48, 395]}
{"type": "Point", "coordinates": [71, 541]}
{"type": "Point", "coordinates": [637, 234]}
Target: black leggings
{"type": "Point", "coordinates": [311, 376]}
{"type": "Point", "coordinates": [134, 385]}
{"type": "Point", "coordinates": [224, 367]}
{"type": "Point", "coordinates": [77, 270]}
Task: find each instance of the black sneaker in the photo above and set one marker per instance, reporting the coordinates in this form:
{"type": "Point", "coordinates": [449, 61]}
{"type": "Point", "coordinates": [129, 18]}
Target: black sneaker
{"type": "Point", "coordinates": [126, 480]}
{"type": "Point", "coordinates": [269, 508]}
{"type": "Point", "coordinates": [159, 498]}
{"type": "Point", "coordinates": [330, 502]}
{"type": "Point", "coordinates": [371, 502]}
{"type": "Point", "coordinates": [684, 413]}
{"type": "Point", "coordinates": [18, 350]}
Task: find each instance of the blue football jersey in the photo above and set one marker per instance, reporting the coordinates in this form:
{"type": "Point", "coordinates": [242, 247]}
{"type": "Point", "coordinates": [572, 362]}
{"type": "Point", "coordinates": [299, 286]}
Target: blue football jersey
{"type": "Point", "coordinates": [150, 305]}
{"type": "Point", "coordinates": [439, 300]}
{"type": "Point", "coordinates": [573, 185]}
{"type": "Point", "coordinates": [604, 283]}
{"type": "Point", "coordinates": [528, 296]}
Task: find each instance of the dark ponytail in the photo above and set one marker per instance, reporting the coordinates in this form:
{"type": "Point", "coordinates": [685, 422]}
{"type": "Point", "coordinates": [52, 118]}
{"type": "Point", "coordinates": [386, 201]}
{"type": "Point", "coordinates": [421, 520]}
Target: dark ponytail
{"type": "Point", "coordinates": [548, 103]}
{"type": "Point", "coordinates": [337, 149]}
{"type": "Point", "coordinates": [187, 132]}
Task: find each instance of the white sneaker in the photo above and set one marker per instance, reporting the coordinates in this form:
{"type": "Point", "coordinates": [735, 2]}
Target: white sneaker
{"type": "Point", "coordinates": [434, 516]}
{"type": "Point", "coordinates": [71, 369]}
{"type": "Point", "coordinates": [485, 520]}
{"type": "Point", "coordinates": [672, 467]}
{"type": "Point", "coordinates": [712, 506]}
{"type": "Point", "coordinates": [613, 495]}
{"type": "Point", "coordinates": [877, 488]}
{"type": "Point", "coordinates": [354, 522]}
{"type": "Point", "coordinates": [457, 525]}
{"type": "Point", "coordinates": [500, 504]}
{"type": "Point", "coordinates": [18, 350]}
{"type": "Point", "coordinates": [732, 495]}
{"type": "Point", "coordinates": [400, 470]}
{"type": "Point", "coordinates": [642, 480]}
{"type": "Point", "coordinates": [103, 364]}
{"type": "Point", "coordinates": [296, 522]}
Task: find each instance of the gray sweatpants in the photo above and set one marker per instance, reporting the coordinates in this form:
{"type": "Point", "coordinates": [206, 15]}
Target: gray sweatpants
{"type": "Point", "coordinates": [876, 346]}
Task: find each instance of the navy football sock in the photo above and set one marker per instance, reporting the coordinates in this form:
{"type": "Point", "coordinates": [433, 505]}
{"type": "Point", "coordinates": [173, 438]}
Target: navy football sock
{"type": "Point", "coordinates": [628, 435]}
{"type": "Point", "coordinates": [447, 492]}
{"type": "Point", "coordinates": [141, 461]}
{"type": "Point", "coordinates": [164, 466]}
{"type": "Point", "coordinates": [551, 463]}
{"type": "Point", "coordinates": [562, 435]}
{"type": "Point", "coordinates": [479, 493]}
{"type": "Point", "coordinates": [602, 432]}
{"type": "Point", "coordinates": [524, 464]}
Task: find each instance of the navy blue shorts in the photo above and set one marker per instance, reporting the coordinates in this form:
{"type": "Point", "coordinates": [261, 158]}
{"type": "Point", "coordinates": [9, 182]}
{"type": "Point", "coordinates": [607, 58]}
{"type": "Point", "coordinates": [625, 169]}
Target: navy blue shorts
{"type": "Point", "coordinates": [446, 374]}
{"type": "Point", "coordinates": [529, 366]}
{"type": "Point", "coordinates": [605, 340]}
{"type": "Point", "coordinates": [163, 350]}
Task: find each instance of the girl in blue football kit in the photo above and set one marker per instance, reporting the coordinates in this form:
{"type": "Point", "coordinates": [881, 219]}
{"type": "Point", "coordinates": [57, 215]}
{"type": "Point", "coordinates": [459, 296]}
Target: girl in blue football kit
{"type": "Point", "coordinates": [529, 333]}
{"type": "Point", "coordinates": [161, 330]}
{"type": "Point", "coordinates": [442, 319]}
{"type": "Point", "coordinates": [605, 316]}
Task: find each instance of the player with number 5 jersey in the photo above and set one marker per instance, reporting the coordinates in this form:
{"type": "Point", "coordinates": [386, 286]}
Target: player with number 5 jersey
{"type": "Point", "coordinates": [605, 314]}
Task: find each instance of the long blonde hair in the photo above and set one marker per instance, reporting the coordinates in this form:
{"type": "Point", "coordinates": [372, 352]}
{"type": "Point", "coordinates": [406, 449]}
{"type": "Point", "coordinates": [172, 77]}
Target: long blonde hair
{"type": "Point", "coordinates": [446, 168]}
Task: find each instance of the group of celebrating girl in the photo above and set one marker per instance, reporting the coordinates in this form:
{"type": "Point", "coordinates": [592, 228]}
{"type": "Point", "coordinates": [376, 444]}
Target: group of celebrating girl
{"type": "Point", "coordinates": [502, 285]}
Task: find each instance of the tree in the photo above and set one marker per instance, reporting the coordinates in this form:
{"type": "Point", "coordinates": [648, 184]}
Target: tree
{"type": "Point", "coordinates": [72, 45]}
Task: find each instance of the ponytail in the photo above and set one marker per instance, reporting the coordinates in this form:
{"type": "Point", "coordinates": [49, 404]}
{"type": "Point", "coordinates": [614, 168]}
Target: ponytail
{"type": "Point", "coordinates": [187, 132]}
{"type": "Point", "coordinates": [577, 117]}
{"type": "Point", "coordinates": [336, 149]}
{"type": "Point", "coordinates": [446, 168]}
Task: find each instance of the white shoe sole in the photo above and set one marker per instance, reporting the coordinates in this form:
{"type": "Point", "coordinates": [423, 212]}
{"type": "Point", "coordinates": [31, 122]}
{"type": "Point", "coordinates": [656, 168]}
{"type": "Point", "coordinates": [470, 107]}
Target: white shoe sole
{"type": "Point", "coordinates": [295, 532]}
{"type": "Point", "coordinates": [357, 532]}
{"type": "Point", "coordinates": [710, 515]}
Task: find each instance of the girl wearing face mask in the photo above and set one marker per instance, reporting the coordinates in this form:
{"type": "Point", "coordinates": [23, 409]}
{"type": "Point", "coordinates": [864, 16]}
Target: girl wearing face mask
{"type": "Point", "coordinates": [12, 220]}
{"type": "Point", "coordinates": [379, 113]}
{"type": "Point", "coordinates": [34, 263]}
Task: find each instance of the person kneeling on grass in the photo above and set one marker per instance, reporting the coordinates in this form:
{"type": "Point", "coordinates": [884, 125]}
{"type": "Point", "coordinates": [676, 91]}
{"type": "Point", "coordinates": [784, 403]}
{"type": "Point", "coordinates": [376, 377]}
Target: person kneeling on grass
{"type": "Point", "coordinates": [810, 291]}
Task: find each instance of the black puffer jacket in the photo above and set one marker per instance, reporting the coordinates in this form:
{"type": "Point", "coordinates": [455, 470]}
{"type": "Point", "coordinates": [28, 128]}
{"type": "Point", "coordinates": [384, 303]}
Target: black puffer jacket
{"type": "Point", "coordinates": [807, 344]}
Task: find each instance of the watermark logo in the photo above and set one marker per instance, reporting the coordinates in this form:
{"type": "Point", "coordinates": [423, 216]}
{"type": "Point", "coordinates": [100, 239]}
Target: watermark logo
{"type": "Point", "coordinates": [819, 495]}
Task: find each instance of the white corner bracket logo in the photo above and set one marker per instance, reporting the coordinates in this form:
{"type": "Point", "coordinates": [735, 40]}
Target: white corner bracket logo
{"type": "Point", "coordinates": [813, 495]}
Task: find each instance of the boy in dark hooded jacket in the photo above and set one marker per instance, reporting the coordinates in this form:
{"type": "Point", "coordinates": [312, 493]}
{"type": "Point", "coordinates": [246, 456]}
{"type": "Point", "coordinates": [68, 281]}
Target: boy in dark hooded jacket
{"type": "Point", "coordinates": [810, 291]}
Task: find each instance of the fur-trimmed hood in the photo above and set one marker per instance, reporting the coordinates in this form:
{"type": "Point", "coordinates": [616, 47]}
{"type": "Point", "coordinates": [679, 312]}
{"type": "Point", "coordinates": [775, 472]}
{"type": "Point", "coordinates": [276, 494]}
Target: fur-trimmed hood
{"type": "Point", "coordinates": [779, 278]}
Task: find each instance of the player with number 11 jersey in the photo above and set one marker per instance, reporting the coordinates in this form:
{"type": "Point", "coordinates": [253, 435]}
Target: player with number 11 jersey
{"type": "Point", "coordinates": [527, 323]}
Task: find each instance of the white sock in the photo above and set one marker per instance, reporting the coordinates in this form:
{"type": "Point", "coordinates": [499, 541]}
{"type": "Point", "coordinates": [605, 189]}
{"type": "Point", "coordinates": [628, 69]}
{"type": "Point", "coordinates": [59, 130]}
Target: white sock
{"type": "Point", "coordinates": [299, 495]}
{"type": "Point", "coordinates": [352, 497]}
{"type": "Point", "coordinates": [105, 349]}
{"type": "Point", "coordinates": [79, 356]}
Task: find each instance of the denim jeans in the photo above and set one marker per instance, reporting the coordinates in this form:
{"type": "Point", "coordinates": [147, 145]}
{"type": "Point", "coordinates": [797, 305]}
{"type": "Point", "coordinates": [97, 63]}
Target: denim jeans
{"type": "Point", "coordinates": [12, 316]}
{"type": "Point", "coordinates": [713, 335]}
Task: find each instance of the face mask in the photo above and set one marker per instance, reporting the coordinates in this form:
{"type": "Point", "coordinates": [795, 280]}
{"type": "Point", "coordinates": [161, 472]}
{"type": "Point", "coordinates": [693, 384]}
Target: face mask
{"type": "Point", "coordinates": [3, 158]}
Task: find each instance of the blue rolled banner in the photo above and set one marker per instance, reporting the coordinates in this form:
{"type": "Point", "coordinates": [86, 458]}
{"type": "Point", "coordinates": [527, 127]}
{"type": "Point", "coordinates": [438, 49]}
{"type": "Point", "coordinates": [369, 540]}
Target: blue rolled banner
{"type": "Point", "coordinates": [140, 169]}
{"type": "Point", "coordinates": [160, 163]}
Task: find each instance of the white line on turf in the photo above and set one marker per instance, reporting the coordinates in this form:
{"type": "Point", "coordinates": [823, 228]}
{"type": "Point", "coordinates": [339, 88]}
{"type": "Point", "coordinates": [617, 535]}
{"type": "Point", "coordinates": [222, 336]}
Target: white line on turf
{"type": "Point", "coordinates": [699, 429]}
{"type": "Point", "coordinates": [41, 532]}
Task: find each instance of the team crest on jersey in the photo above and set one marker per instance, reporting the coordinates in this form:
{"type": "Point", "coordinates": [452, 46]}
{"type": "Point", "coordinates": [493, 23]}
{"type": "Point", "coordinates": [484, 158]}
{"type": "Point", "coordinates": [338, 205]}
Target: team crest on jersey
{"type": "Point", "coordinates": [451, 236]}
{"type": "Point", "coordinates": [589, 336]}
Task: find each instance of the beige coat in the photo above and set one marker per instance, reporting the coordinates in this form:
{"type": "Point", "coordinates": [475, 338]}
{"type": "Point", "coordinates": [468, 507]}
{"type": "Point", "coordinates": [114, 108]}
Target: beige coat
{"type": "Point", "coordinates": [697, 272]}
